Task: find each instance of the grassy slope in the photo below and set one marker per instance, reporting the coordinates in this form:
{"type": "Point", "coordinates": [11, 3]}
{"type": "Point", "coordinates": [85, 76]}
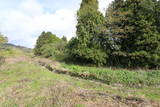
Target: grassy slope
{"type": "Point", "coordinates": [26, 84]}
{"type": "Point", "coordinates": [136, 83]}
{"type": "Point", "coordinates": [29, 85]}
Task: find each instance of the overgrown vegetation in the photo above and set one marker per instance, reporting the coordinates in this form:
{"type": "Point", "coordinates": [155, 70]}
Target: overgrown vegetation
{"type": "Point", "coordinates": [34, 86]}
{"type": "Point", "coordinates": [49, 45]}
{"type": "Point", "coordinates": [127, 37]}
{"type": "Point", "coordinates": [3, 40]}
{"type": "Point", "coordinates": [124, 77]}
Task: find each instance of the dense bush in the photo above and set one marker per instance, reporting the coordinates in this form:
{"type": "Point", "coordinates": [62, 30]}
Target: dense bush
{"type": "Point", "coordinates": [53, 50]}
{"type": "Point", "coordinates": [45, 38]}
{"type": "Point", "coordinates": [48, 45]}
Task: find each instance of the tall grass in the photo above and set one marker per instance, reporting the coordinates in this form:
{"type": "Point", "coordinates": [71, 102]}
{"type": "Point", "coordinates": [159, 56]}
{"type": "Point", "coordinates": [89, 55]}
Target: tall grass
{"type": "Point", "coordinates": [2, 60]}
{"type": "Point", "coordinates": [119, 76]}
{"type": "Point", "coordinates": [10, 52]}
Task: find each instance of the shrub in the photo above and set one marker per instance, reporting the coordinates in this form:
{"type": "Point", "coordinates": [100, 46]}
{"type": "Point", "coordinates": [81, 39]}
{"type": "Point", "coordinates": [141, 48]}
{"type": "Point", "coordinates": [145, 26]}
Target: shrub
{"type": "Point", "coordinates": [48, 45]}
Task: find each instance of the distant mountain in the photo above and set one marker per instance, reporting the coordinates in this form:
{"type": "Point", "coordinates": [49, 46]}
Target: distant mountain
{"type": "Point", "coordinates": [8, 45]}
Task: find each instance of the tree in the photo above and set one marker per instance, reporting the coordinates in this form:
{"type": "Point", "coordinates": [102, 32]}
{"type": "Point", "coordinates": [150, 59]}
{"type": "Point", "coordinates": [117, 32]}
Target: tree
{"type": "Point", "coordinates": [116, 29]}
{"type": "Point", "coordinates": [3, 39]}
{"type": "Point", "coordinates": [44, 39]}
{"type": "Point", "coordinates": [132, 33]}
{"type": "Point", "coordinates": [141, 46]}
{"type": "Point", "coordinates": [157, 15]}
{"type": "Point", "coordinates": [87, 47]}
{"type": "Point", "coordinates": [64, 39]}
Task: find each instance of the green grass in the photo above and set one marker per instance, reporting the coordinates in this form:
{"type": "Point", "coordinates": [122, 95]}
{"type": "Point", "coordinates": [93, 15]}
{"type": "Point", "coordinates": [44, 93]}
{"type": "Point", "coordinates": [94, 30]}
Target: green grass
{"type": "Point", "coordinates": [27, 84]}
{"type": "Point", "coordinates": [118, 76]}
{"type": "Point", "coordinates": [11, 51]}
{"type": "Point", "coordinates": [30, 85]}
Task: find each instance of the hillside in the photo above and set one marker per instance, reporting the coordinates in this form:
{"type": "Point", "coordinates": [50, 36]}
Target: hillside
{"type": "Point", "coordinates": [27, 81]}
{"type": "Point", "coordinates": [83, 55]}
{"type": "Point", "coordinates": [8, 45]}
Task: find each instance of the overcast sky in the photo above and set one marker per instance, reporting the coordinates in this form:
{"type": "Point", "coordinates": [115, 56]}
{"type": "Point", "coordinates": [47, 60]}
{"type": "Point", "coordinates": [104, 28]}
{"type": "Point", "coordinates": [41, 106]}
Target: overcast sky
{"type": "Point", "coordinates": [22, 21]}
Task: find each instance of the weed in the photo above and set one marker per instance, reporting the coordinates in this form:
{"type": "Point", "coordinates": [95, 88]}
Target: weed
{"type": "Point", "coordinates": [119, 76]}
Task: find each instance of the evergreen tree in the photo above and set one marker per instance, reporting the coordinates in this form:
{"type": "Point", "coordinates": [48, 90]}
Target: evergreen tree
{"type": "Point", "coordinates": [87, 47]}
{"type": "Point", "coordinates": [115, 23]}
{"type": "Point", "coordinates": [142, 44]}
{"type": "Point", "coordinates": [157, 15]}
{"type": "Point", "coordinates": [132, 32]}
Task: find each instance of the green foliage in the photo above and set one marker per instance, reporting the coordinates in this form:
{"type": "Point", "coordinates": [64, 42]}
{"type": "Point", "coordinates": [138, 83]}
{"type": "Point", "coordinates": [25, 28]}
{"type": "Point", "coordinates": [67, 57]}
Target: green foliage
{"type": "Point", "coordinates": [64, 39]}
{"type": "Point", "coordinates": [129, 36]}
{"type": "Point", "coordinates": [118, 76]}
{"type": "Point", "coordinates": [3, 39]}
{"type": "Point", "coordinates": [135, 38]}
{"type": "Point", "coordinates": [48, 50]}
{"type": "Point", "coordinates": [142, 44]}
{"type": "Point", "coordinates": [44, 39]}
{"type": "Point", "coordinates": [115, 18]}
{"type": "Point", "coordinates": [89, 4]}
{"type": "Point", "coordinates": [157, 14]}
{"type": "Point", "coordinates": [48, 45]}
{"type": "Point", "coordinates": [53, 50]}
{"type": "Point", "coordinates": [12, 51]}
{"type": "Point", "coordinates": [86, 47]}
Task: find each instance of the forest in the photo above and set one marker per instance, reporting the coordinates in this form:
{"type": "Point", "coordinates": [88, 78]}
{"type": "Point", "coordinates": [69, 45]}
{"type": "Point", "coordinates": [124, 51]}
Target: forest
{"type": "Point", "coordinates": [127, 37]}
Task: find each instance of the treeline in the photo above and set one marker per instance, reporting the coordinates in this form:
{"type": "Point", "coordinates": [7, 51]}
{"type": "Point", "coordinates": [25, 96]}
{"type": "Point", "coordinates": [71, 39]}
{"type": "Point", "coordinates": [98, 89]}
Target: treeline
{"type": "Point", "coordinates": [128, 36]}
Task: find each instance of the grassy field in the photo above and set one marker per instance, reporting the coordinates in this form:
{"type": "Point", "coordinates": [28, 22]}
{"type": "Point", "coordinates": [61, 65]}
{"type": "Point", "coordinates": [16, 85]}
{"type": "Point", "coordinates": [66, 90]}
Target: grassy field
{"type": "Point", "coordinates": [11, 51]}
{"type": "Point", "coordinates": [30, 85]}
{"type": "Point", "coordinates": [25, 83]}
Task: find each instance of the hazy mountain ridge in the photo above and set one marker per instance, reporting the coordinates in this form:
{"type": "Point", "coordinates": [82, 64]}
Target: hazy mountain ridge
{"type": "Point", "coordinates": [9, 45]}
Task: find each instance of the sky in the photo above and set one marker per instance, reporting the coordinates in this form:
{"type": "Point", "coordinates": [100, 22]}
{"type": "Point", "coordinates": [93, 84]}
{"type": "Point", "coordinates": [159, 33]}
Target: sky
{"type": "Point", "coordinates": [22, 21]}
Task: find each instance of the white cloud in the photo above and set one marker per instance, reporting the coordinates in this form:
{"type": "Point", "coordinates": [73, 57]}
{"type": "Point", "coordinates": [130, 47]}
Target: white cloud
{"type": "Point", "coordinates": [25, 23]}
{"type": "Point", "coordinates": [31, 7]}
